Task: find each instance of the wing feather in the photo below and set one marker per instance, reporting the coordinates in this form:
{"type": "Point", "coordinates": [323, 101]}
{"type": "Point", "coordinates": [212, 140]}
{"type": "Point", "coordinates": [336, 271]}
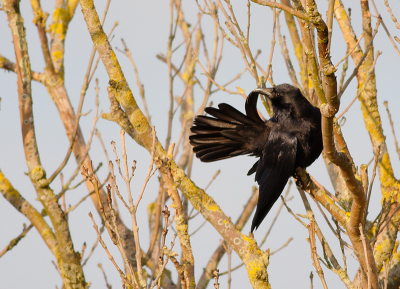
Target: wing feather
{"type": "Point", "coordinates": [274, 168]}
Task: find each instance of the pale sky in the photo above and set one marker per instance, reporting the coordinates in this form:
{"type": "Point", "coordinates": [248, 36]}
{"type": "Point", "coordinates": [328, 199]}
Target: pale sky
{"type": "Point", "coordinates": [144, 25]}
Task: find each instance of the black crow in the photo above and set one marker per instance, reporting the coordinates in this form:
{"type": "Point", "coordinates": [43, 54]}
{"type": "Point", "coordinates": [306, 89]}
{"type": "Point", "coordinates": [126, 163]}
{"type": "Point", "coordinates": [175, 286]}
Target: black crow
{"type": "Point", "coordinates": [290, 139]}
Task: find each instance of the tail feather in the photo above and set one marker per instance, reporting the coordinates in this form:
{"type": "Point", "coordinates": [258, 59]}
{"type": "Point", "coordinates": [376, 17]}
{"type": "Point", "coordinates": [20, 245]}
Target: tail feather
{"type": "Point", "coordinates": [213, 122]}
{"type": "Point", "coordinates": [234, 113]}
{"type": "Point", "coordinates": [215, 154]}
{"type": "Point", "coordinates": [201, 147]}
{"type": "Point", "coordinates": [202, 129]}
{"type": "Point", "coordinates": [223, 134]}
{"type": "Point", "coordinates": [232, 134]}
{"type": "Point", "coordinates": [215, 139]}
{"type": "Point", "coordinates": [218, 114]}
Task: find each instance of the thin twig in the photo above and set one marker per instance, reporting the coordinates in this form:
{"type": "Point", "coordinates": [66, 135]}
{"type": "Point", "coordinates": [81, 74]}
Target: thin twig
{"type": "Point", "coordinates": [128, 54]}
{"type": "Point", "coordinates": [149, 172]}
{"type": "Point", "coordinates": [391, 14]}
{"type": "Point", "coordinates": [216, 284]}
{"type": "Point", "coordinates": [343, 74]}
{"type": "Point", "coordinates": [273, 41]}
{"type": "Point", "coordinates": [213, 81]}
{"type": "Point", "coordinates": [15, 241]}
{"type": "Point", "coordinates": [104, 275]}
{"type": "Point", "coordinates": [92, 250]}
{"type": "Point", "coordinates": [121, 274]}
{"type": "Point", "coordinates": [341, 245]}
{"type": "Point", "coordinates": [370, 73]}
{"type": "Point", "coordinates": [371, 184]}
{"type": "Point", "coordinates": [293, 214]}
{"type": "Point", "coordinates": [282, 247]}
{"type": "Point", "coordinates": [388, 220]}
{"type": "Point", "coordinates": [72, 142]}
{"type": "Point", "coordinates": [166, 213]}
{"type": "Point", "coordinates": [66, 187]}
{"type": "Point", "coordinates": [229, 254]}
{"type": "Point", "coordinates": [170, 77]}
{"type": "Point", "coordinates": [355, 71]}
{"type": "Point", "coordinates": [314, 256]}
{"type": "Point", "coordinates": [369, 271]}
{"type": "Point", "coordinates": [351, 50]}
{"type": "Point", "coordinates": [88, 144]}
{"type": "Point", "coordinates": [385, 28]}
{"type": "Point", "coordinates": [195, 231]}
{"type": "Point", "coordinates": [180, 137]}
{"type": "Point", "coordinates": [70, 209]}
{"type": "Point", "coordinates": [286, 56]}
{"type": "Point", "coordinates": [396, 144]}
{"type": "Point", "coordinates": [132, 209]}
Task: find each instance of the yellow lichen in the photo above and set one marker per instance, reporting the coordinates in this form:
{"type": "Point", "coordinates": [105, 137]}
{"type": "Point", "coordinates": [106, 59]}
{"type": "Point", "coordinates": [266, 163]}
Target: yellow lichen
{"type": "Point", "coordinates": [61, 18]}
{"type": "Point", "coordinates": [371, 232]}
{"type": "Point", "coordinates": [139, 121]}
{"type": "Point", "coordinates": [57, 55]}
{"type": "Point", "coordinates": [381, 251]}
{"type": "Point", "coordinates": [208, 202]}
{"type": "Point", "coordinates": [116, 72]}
{"type": "Point", "coordinates": [87, 4]}
{"type": "Point", "coordinates": [343, 14]}
{"type": "Point", "coordinates": [151, 208]}
{"type": "Point", "coordinates": [99, 38]}
{"type": "Point", "coordinates": [7, 188]}
{"type": "Point", "coordinates": [387, 178]}
{"type": "Point", "coordinates": [37, 173]}
{"type": "Point", "coordinates": [256, 267]}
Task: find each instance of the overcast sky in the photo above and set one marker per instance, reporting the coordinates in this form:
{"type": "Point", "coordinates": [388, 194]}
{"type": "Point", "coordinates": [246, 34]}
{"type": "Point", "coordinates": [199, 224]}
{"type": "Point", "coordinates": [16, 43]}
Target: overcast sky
{"type": "Point", "coordinates": [144, 25]}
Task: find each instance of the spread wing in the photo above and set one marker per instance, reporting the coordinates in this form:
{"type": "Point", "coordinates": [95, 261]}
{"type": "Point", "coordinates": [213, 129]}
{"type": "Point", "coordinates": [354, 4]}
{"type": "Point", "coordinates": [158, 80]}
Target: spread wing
{"type": "Point", "coordinates": [274, 168]}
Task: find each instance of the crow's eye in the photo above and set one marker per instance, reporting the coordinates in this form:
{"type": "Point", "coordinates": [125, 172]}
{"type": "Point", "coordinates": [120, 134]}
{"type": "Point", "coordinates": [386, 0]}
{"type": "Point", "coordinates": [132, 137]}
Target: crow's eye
{"type": "Point", "coordinates": [278, 94]}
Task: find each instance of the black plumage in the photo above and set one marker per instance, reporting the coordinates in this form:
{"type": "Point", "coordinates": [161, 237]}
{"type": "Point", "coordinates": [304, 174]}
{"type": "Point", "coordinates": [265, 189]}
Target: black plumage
{"type": "Point", "coordinates": [292, 138]}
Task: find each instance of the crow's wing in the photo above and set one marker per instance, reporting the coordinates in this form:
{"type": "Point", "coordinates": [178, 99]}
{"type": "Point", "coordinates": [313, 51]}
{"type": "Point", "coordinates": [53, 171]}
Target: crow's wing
{"type": "Point", "coordinates": [274, 168]}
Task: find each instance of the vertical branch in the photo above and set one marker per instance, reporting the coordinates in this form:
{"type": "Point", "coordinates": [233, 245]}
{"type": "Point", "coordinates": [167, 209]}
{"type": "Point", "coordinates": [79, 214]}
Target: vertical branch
{"type": "Point", "coordinates": [132, 208]}
{"type": "Point", "coordinates": [396, 144]}
{"type": "Point", "coordinates": [286, 57]}
{"type": "Point", "coordinates": [62, 16]}
{"type": "Point", "coordinates": [308, 48]}
{"type": "Point", "coordinates": [138, 82]}
{"type": "Point", "coordinates": [329, 22]}
{"type": "Point", "coordinates": [336, 268]}
{"type": "Point", "coordinates": [314, 256]}
{"type": "Point", "coordinates": [269, 69]}
{"type": "Point", "coordinates": [297, 45]}
{"type": "Point", "coordinates": [40, 21]}
{"type": "Point", "coordinates": [187, 259]}
{"type": "Point", "coordinates": [186, 116]}
{"type": "Point", "coordinates": [68, 261]}
{"type": "Point", "coordinates": [170, 77]}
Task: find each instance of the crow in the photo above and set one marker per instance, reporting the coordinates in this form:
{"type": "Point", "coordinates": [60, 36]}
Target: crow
{"type": "Point", "coordinates": [290, 139]}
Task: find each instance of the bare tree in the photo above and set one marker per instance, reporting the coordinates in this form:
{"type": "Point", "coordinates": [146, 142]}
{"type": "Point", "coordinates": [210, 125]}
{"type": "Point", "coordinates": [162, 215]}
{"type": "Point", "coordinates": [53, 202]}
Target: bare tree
{"type": "Point", "coordinates": [193, 61]}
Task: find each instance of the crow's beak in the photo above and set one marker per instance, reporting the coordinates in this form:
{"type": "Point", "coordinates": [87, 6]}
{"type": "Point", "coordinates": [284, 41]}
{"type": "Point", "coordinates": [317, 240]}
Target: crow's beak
{"type": "Point", "coordinates": [269, 92]}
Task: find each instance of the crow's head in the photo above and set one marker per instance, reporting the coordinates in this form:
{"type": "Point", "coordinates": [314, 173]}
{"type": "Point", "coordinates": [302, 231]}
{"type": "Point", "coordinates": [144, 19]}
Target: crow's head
{"type": "Point", "coordinates": [285, 97]}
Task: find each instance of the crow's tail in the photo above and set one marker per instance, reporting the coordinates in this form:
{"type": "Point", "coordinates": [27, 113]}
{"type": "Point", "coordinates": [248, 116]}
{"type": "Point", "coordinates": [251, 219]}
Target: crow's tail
{"type": "Point", "coordinates": [224, 135]}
